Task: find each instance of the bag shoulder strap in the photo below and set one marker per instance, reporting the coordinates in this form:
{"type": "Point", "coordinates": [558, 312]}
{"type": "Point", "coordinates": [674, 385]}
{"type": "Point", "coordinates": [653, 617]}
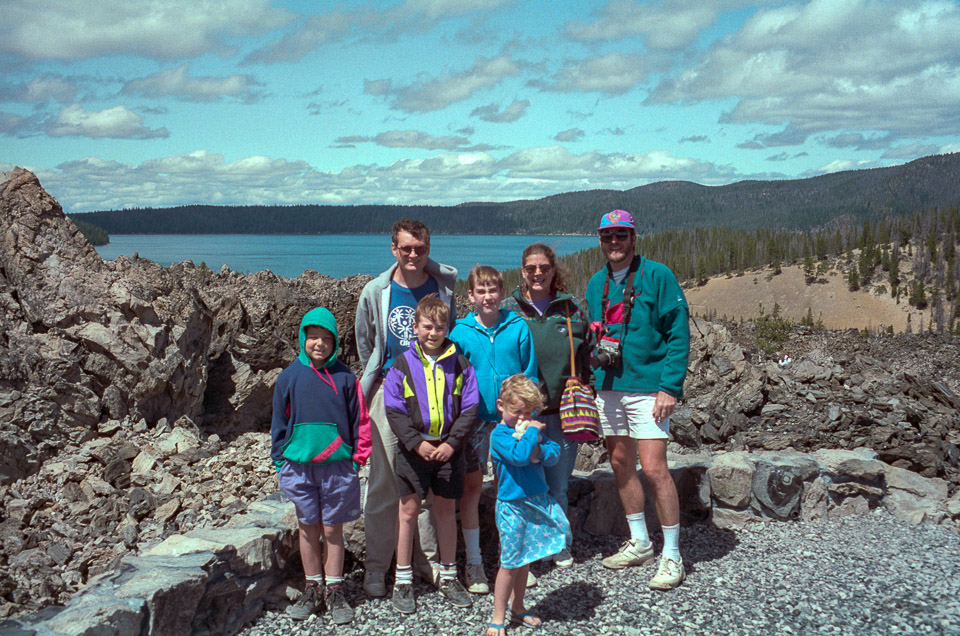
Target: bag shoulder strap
{"type": "Point", "coordinates": [573, 362]}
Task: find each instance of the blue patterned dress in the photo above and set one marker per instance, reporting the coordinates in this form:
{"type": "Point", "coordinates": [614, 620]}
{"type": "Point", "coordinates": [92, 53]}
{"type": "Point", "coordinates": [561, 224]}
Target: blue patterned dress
{"type": "Point", "coordinates": [531, 523]}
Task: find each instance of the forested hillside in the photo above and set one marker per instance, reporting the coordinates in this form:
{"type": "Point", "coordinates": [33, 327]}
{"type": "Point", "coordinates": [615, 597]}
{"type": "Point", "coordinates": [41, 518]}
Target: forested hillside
{"type": "Point", "coordinates": [913, 258]}
{"type": "Point", "coordinates": [797, 204]}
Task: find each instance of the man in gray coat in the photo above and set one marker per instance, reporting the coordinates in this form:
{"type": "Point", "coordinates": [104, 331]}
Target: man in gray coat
{"type": "Point", "coordinates": [384, 330]}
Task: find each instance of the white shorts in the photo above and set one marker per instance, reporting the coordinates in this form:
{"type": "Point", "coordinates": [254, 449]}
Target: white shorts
{"type": "Point", "coordinates": [630, 414]}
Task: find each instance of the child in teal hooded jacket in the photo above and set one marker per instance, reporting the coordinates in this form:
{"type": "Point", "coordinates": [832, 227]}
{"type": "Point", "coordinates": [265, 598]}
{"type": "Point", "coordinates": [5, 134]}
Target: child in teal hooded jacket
{"type": "Point", "coordinates": [320, 435]}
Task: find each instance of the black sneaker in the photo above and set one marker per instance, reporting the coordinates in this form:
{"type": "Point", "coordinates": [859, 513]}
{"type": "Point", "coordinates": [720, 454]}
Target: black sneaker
{"type": "Point", "coordinates": [310, 602]}
{"type": "Point", "coordinates": [340, 612]}
{"type": "Point", "coordinates": [403, 600]}
{"type": "Point", "coordinates": [453, 590]}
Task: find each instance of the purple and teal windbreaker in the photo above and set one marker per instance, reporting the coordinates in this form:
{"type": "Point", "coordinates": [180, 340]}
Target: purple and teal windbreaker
{"type": "Point", "coordinates": [431, 404]}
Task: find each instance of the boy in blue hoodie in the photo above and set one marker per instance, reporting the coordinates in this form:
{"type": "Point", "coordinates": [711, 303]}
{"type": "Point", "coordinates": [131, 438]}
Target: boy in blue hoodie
{"type": "Point", "coordinates": [498, 344]}
{"type": "Point", "coordinates": [320, 435]}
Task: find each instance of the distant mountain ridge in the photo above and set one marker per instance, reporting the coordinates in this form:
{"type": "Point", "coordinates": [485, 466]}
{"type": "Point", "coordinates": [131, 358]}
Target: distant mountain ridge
{"type": "Point", "coordinates": [795, 204]}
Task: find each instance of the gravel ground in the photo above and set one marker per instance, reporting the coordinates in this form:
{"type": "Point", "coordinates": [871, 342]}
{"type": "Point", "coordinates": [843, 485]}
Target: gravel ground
{"type": "Point", "coordinates": [855, 575]}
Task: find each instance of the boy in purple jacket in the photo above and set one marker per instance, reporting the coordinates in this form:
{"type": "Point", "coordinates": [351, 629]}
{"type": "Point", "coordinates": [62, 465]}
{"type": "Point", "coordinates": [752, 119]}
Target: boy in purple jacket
{"type": "Point", "coordinates": [431, 400]}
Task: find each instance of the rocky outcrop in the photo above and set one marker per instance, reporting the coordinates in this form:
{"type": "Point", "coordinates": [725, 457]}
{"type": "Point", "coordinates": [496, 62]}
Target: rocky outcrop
{"type": "Point", "coordinates": [896, 395]}
{"type": "Point", "coordinates": [213, 580]}
{"type": "Point", "coordinates": [84, 342]}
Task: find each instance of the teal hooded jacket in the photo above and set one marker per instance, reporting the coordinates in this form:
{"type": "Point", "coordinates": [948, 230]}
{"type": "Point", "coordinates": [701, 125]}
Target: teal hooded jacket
{"type": "Point", "coordinates": [319, 413]}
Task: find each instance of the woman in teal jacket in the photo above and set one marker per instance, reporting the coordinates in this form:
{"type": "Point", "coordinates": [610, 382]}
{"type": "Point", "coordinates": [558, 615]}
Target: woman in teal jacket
{"type": "Point", "coordinates": [542, 300]}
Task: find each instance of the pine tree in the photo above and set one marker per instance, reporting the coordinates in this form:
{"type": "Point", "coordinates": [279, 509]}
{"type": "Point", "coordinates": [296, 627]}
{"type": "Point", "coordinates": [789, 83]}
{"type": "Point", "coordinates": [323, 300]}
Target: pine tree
{"type": "Point", "coordinates": [853, 279]}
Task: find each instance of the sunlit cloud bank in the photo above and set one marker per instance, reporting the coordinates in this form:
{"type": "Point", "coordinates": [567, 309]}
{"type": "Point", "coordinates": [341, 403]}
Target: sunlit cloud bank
{"type": "Point", "coordinates": [445, 179]}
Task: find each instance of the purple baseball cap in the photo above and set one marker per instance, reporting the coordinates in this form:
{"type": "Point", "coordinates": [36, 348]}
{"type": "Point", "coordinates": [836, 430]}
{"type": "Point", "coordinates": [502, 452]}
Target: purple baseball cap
{"type": "Point", "coordinates": [616, 218]}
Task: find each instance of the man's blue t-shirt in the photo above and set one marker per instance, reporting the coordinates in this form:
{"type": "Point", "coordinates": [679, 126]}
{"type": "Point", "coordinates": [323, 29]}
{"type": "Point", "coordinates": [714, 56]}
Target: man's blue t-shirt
{"type": "Point", "coordinates": [403, 302]}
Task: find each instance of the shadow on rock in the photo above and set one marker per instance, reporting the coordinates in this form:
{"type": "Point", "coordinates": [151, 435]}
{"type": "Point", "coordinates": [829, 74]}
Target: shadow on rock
{"type": "Point", "coordinates": [576, 601]}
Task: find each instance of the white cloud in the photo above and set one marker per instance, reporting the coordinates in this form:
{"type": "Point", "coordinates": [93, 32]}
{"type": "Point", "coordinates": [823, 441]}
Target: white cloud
{"type": "Point", "coordinates": [493, 114]}
{"type": "Point", "coordinates": [40, 90]}
{"type": "Point", "coordinates": [556, 162]}
{"type": "Point", "coordinates": [10, 123]}
{"type": "Point", "coordinates": [910, 151]}
{"type": "Point", "coordinates": [177, 83]}
{"type": "Point", "coordinates": [949, 148]}
{"type": "Point", "coordinates": [410, 16]}
{"type": "Point", "coordinates": [163, 29]}
{"type": "Point", "coordinates": [613, 73]}
{"type": "Point", "coordinates": [840, 165]}
{"type": "Point", "coordinates": [435, 94]}
{"type": "Point", "coordinates": [294, 46]}
{"type": "Point", "coordinates": [668, 25]}
{"type": "Point", "coordinates": [444, 179]}
{"type": "Point", "coordinates": [572, 134]}
{"type": "Point", "coordinates": [408, 139]}
{"type": "Point", "coordinates": [118, 122]}
{"type": "Point", "coordinates": [890, 66]}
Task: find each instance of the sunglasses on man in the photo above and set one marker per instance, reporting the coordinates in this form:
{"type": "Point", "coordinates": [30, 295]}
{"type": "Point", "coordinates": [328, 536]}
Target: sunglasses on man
{"type": "Point", "coordinates": [608, 235]}
{"type": "Point", "coordinates": [407, 250]}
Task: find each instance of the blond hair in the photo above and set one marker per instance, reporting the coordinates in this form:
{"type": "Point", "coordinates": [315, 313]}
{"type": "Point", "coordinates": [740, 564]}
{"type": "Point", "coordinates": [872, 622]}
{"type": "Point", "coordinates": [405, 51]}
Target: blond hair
{"type": "Point", "coordinates": [519, 390]}
{"type": "Point", "coordinates": [434, 309]}
{"type": "Point", "coordinates": [484, 275]}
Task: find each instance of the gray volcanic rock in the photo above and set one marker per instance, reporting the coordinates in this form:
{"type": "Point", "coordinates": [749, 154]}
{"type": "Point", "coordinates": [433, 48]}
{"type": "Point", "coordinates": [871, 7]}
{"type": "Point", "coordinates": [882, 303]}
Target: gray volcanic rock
{"type": "Point", "coordinates": [97, 359]}
{"type": "Point", "coordinates": [896, 395]}
{"type": "Point", "coordinates": [86, 341]}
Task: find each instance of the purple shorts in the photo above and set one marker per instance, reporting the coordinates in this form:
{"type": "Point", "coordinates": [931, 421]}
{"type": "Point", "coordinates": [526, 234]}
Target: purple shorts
{"type": "Point", "coordinates": [322, 492]}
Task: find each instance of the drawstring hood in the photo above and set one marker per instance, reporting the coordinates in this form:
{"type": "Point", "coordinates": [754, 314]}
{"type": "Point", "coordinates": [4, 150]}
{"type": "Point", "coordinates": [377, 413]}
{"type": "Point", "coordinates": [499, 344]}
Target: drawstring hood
{"type": "Point", "coordinates": [319, 317]}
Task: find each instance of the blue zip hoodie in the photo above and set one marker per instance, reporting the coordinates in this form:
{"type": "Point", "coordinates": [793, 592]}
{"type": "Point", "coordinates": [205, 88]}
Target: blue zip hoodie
{"type": "Point", "coordinates": [495, 353]}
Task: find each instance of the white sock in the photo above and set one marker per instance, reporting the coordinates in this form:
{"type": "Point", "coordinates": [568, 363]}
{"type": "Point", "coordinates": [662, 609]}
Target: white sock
{"type": "Point", "coordinates": [316, 579]}
{"type": "Point", "coordinates": [471, 541]}
{"type": "Point", "coordinates": [334, 580]}
{"type": "Point", "coordinates": [404, 574]}
{"type": "Point", "coordinates": [671, 542]}
{"type": "Point", "coordinates": [448, 571]}
{"type": "Point", "coordinates": [638, 528]}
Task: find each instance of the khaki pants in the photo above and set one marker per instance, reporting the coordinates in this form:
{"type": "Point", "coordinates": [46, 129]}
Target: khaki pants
{"type": "Point", "coordinates": [382, 501]}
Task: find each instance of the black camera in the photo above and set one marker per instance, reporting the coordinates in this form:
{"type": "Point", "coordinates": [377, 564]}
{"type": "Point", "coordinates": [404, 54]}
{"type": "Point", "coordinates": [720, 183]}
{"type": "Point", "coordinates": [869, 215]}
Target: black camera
{"type": "Point", "coordinates": [605, 354]}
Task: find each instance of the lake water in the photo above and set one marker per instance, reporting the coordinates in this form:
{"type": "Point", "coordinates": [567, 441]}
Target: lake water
{"type": "Point", "coordinates": [335, 255]}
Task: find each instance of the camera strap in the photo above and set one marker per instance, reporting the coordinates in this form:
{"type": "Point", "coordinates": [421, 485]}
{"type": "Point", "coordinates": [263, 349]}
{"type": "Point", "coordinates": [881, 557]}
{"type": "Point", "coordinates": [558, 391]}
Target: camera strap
{"type": "Point", "coordinates": [638, 262]}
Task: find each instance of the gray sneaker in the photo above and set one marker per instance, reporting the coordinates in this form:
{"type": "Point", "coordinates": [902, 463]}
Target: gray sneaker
{"type": "Point", "coordinates": [374, 583]}
{"type": "Point", "coordinates": [310, 602]}
{"type": "Point", "coordinates": [453, 590]}
{"type": "Point", "coordinates": [669, 575]}
{"type": "Point", "coordinates": [630, 554]}
{"type": "Point", "coordinates": [563, 559]}
{"type": "Point", "coordinates": [403, 600]}
{"type": "Point", "coordinates": [340, 612]}
{"type": "Point", "coordinates": [476, 579]}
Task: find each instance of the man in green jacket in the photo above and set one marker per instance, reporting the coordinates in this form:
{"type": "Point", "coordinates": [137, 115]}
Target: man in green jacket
{"type": "Point", "coordinates": [641, 316]}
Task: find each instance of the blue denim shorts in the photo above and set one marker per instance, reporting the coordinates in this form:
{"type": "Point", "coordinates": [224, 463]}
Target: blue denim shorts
{"type": "Point", "coordinates": [329, 493]}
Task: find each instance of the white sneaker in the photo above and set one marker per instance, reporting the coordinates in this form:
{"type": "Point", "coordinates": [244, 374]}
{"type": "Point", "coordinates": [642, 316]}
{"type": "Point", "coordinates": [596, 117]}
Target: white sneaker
{"type": "Point", "coordinates": [476, 579]}
{"type": "Point", "coordinates": [563, 559]}
{"type": "Point", "coordinates": [669, 575]}
{"type": "Point", "coordinates": [630, 554]}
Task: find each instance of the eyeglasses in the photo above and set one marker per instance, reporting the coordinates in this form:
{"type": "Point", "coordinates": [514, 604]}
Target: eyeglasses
{"type": "Point", "coordinates": [532, 269]}
{"type": "Point", "coordinates": [407, 250]}
{"type": "Point", "coordinates": [608, 235]}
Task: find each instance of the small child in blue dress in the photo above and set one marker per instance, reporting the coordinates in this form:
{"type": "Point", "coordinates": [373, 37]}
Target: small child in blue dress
{"type": "Point", "coordinates": [531, 523]}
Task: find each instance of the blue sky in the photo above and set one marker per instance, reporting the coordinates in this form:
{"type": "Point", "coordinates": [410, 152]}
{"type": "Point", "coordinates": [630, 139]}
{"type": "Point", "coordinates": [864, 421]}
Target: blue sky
{"type": "Point", "coordinates": [127, 103]}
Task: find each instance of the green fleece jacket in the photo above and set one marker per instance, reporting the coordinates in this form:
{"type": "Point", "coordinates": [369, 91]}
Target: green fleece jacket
{"type": "Point", "coordinates": [657, 342]}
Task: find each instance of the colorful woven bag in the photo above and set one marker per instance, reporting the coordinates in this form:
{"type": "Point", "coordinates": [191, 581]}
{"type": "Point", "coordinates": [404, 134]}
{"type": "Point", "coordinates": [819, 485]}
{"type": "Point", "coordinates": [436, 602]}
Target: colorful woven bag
{"type": "Point", "coordinates": [579, 417]}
